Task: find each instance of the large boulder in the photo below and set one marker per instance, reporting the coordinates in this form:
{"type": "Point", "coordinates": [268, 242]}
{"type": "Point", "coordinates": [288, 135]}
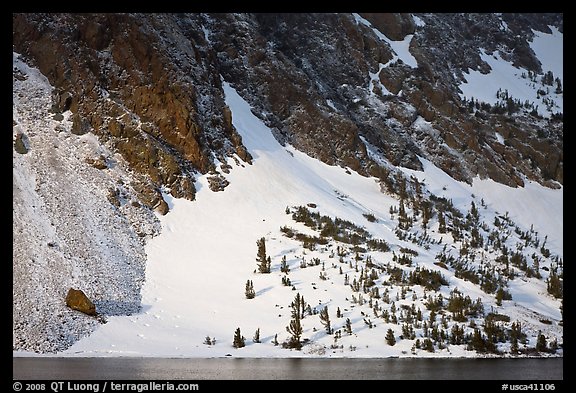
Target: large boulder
{"type": "Point", "coordinates": [21, 143]}
{"type": "Point", "coordinates": [77, 300]}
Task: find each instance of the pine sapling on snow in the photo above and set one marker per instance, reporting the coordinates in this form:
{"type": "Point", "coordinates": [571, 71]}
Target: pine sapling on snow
{"type": "Point", "coordinates": [390, 339]}
{"type": "Point", "coordinates": [325, 319]}
{"type": "Point", "coordinates": [348, 326]}
{"type": "Point", "coordinates": [256, 337]}
{"type": "Point", "coordinates": [249, 291]}
{"type": "Point", "coordinates": [264, 262]}
{"type": "Point", "coordinates": [284, 265]}
{"type": "Point", "coordinates": [239, 340]}
{"type": "Point", "coordinates": [295, 326]}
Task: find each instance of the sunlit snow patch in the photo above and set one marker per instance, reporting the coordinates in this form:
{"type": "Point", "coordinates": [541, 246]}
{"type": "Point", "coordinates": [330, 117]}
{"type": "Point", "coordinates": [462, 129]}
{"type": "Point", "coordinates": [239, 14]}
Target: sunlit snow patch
{"type": "Point", "coordinates": [549, 49]}
{"type": "Point", "coordinates": [504, 76]}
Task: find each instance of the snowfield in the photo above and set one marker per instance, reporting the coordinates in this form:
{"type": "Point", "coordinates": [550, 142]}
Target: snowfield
{"type": "Point", "coordinates": [198, 266]}
{"type": "Point", "coordinates": [549, 49]}
{"type": "Point", "coordinates": [506, 77]}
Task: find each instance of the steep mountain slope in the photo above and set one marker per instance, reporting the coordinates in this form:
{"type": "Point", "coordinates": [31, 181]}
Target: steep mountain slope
{"type": "Point", "coordinates": [197, 289]}
{"type": "Point", "coordinates": [383, 95]}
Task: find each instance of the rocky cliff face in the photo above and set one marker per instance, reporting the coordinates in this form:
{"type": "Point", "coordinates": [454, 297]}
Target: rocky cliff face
{"type": "Point", "coordinates": [149, 87]}
{"type": "Point", "coordinates": [151, 84]}
{"type": "Point", "coordinates": [145, 83]}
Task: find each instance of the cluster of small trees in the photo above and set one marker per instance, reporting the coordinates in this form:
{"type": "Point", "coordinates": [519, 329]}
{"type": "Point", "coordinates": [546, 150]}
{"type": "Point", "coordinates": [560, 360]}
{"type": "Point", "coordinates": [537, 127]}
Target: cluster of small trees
{"type": "Point", "coordinates": [476, 241]}
{"type": "Point", "coordinates": [510, 105]}
{"type": "Point", "coordinates": [239, 341]}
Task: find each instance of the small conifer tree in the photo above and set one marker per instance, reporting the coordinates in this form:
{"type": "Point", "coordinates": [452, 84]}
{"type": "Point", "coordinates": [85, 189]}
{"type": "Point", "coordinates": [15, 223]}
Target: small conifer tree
{"type": "Point", "coordinates": [325, 320]}
{"type": "Point", "coordinates": [390, 339]}
{"type": "Point", "coordinates": [264, 262]}
{"type": "Point", "coordinates": [541, 345]}
{"type": "Point", "coordinates": [249, 291]}
{"type": "Point", "coordinates": [239, 340]}
{"type": "Point", "coordinates": [284, 265]}
{"type": "Point", "coordinates": [514, 345]}
{"type": "Point", "coordinates": [348, 326]}
{"type": "Point", "coordinates": [441, 222]}
{"type": "Point", "coordinates": [256, 337]}
{"type": "Point", "coordinates": [295, 326]}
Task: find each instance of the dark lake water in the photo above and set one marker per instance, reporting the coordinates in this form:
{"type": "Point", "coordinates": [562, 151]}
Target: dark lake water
{"type": "Point", "coordinates": [284, 369]}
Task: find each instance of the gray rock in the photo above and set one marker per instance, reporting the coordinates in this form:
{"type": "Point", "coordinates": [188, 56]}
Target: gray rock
{"type": "Point", "coordinates": [21, 144]}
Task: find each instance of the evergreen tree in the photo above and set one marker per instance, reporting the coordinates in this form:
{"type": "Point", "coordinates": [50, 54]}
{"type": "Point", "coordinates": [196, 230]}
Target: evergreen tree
{"type": "Point", "coordinates": [417, 343]}
{"type": "Point", "coordinates": [478, 342]}
{"type": "Point", "coordinates": [516, 332]}
{"type": "Point", "coordinates": [249, 291]}
{"type": "Point", "coordinates": [457, 334]}
{"type": "Point", "coordinates": [325, 320]}
{"type": "Point", "coordinates": [348, 326]}
{"type": "Point", "coordinates": [499, 296]}
{"type": "Point", "coordinates": [284, 265]}
{"type": "Point", "coordinates": [256, 337]}
{"type": "Point", "coordinates": [474, 211]}
{"type": "Point", "coordinates": [402, 216]}
{"type": "Point", "coordinates": [428, 345]}
{"type": "Point", "coordinates": [558, 86]}
{"type": "Point", "coordinates": [239, 340]}
{"type": "Point", "coordinates": [548, 78]}
{"type": "Point", "coordinates": [338, 313]}
{"type": "Point", "coordinates": [426, 213]}
{"type": "Point", "coordinates": [514, 345]}
{"type": "Point", "coordinates": [268, 266]}
{"type": "Point", "coordinates": [295, 326]}
{"type": "Point", "coordinates": [441, 222]}
{"type": "Point", "coordinates": [264, 262]}
{"type": "Point", "coordinates": [275, 341]}
{"type": "Point", "coordinates": [541, 345]}
{"type": "Point", "coordinates": [390, 339]}
{"type": "Point", "coordinates": [553, 346]}
{"type": "Point", "coordinates": [554, 285]}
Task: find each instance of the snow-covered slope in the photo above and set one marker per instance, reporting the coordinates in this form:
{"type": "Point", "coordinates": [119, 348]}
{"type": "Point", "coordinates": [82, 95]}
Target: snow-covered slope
{"type": "Point", "coordinates": [549, 49]}
{"type": "Point", "coordinates": [198, 266]}
{"type": "Point", "coordinates": [129, 114]}
{"type": "Point", "coordinates": [519, 83]}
